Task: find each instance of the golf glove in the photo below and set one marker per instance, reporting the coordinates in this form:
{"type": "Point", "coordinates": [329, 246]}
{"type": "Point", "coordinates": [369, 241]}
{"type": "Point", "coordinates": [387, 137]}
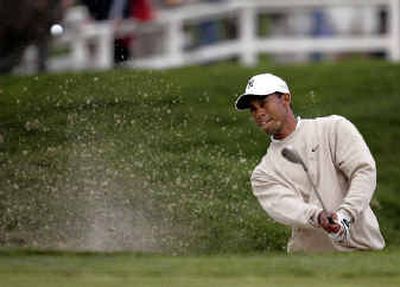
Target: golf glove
{"type": "Point", "coordinates": [343, 234]}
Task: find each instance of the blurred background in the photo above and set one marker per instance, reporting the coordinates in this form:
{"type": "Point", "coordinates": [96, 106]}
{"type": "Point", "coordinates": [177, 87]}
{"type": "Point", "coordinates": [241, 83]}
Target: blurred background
{"type": "Point", "coordinates": [65, 35]}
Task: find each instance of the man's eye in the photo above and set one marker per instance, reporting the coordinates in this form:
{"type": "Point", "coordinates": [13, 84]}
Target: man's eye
{"type": "Point", "coordinates": [265, 102]}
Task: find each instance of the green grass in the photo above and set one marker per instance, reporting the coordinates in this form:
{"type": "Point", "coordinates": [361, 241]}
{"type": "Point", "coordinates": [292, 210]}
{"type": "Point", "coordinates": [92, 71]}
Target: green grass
{"type": "Point", "coordinates": [160, 161]}
{"type": "Point", "coordinates": [74, 269]}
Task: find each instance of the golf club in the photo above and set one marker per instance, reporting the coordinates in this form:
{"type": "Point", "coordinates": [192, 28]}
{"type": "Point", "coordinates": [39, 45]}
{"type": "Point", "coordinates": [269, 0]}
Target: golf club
{"type": "Point", "coordinates": [291, 155]}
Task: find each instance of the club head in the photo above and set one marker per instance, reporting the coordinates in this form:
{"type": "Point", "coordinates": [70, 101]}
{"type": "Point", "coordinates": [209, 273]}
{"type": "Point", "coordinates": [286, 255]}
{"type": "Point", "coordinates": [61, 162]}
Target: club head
{"type": "Point", "coordinates": [291, 155]}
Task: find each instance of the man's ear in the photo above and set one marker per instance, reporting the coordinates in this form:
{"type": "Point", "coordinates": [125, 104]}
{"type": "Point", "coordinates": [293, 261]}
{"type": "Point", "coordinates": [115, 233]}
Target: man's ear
{"type": "Point", "coordinates": [287, 98]}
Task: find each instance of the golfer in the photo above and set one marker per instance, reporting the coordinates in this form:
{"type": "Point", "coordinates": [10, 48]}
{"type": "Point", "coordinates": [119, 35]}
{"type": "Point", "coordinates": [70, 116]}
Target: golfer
{"type": "Point", "coordinates": [339, 163]}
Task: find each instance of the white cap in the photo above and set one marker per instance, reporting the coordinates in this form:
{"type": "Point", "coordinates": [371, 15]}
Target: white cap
{"type": "Point", "coordinates": [261, 85]}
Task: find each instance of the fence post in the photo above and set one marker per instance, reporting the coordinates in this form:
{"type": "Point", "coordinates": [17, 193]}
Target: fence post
{"type": "Point", "coordinates": [105, 39]}
{"type": "Point", "coordinates": [75, 22]}
{"type": "Point", "coordinates": [79, 53]}
{"type": "Point", "coordinates": [247, 34]}
{"type": "Point", "coordinates": [175, 41]}
{"type": "Point", "coordinates": [394, 30]}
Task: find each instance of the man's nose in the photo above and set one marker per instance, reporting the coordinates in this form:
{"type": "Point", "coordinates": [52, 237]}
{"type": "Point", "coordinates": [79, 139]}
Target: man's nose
{"type": "Point", "coordinates": [259, 112]}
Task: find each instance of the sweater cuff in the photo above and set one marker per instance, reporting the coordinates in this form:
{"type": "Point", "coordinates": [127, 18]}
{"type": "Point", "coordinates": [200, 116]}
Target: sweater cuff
{"type": "Point", "coordinates": [313, 220]}
{"type": "Point", "coordinates": [345, 214]}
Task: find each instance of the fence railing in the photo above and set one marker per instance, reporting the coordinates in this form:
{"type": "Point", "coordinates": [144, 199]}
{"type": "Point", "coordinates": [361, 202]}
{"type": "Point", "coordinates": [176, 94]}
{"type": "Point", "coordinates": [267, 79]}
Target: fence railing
{"type": "Point", "coordinates": [91, 43]}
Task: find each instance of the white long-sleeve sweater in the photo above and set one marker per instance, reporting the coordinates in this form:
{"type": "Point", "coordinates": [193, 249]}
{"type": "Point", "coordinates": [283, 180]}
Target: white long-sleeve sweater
{"type": "Point", "coordinates": [343, 170]}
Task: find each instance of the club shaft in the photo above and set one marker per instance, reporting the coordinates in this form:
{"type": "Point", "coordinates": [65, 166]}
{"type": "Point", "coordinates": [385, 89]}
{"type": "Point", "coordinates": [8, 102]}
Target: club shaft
{"type": "Point", "coordinates": [314, 188]}
{"type": "Point", "coordinates": [292, 156]}
{"type": "Point", "coordinates": [330, 219]}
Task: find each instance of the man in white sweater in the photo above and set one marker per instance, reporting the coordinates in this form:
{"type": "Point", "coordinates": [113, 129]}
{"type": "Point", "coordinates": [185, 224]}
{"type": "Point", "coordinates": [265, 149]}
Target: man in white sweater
{"type": "Point", "coordinates": [338, 161]}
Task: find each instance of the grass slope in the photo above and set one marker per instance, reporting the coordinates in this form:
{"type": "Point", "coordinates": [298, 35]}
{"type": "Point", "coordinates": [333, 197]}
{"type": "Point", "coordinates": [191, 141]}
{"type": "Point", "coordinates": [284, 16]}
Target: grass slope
{"type": "Point", "coordinates": [159, 161]}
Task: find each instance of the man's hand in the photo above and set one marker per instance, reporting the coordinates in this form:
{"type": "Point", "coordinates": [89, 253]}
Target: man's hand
{"type": "Point", "coordinates": [336, 224]}
{"type": "Point", "coordinates": [328, 221]}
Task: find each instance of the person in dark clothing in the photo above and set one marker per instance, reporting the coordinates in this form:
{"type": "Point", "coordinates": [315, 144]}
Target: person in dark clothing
{"type": "Point", "coordinates": [23, 23]}
{"type": "Point", "coordinates": [98, 9]}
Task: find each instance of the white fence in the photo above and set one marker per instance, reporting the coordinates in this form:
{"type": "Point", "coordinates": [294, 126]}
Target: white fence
{"type": "Point", "coordinates": [92, 43]}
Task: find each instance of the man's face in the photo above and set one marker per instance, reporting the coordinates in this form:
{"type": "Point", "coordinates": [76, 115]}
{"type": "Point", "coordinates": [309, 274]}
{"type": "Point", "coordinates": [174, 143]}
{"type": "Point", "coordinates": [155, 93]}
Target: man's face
{"type": "Point", "coordinates": [270, 113]}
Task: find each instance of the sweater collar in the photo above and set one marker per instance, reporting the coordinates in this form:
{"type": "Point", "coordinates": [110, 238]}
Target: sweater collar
{"type": "Point", "coordinates": [289, 137]}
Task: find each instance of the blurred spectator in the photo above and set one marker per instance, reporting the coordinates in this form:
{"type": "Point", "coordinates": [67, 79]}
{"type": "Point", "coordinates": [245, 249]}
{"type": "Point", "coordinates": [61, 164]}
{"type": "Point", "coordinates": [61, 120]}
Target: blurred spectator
{"type": "Point", "coordinates": [138, 10]}
{"type": "Point", "coordinates": [102, 10]}
{"type": "Point", "coordinates": [321, 27]}
{"type": "Point", "coordinates": [142, 10]}
{"type": "Point", "coordinates": [143, 44]}
{"type": "Point", "coordinates": [209, 29]}
{"type": "Point", "coordinates": [382, 20]}
{"type": "Point", "coordinates": [382, 15]}
{"type": "Point", "coordinates": [98, 9]}
{"type": "Point", "coordinates": [24, 23]}
{"type": "Point", "coordinates": [117, 11]}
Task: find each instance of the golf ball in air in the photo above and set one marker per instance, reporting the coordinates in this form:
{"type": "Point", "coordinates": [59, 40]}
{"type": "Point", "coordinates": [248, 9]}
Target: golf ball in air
{"type": "Point", "coordinates": [56, 30]}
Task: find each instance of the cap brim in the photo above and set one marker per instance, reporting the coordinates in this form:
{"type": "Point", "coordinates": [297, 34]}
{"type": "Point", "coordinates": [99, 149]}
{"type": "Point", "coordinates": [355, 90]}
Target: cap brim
{"type": "Point", "coordinates": [243, 101]}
